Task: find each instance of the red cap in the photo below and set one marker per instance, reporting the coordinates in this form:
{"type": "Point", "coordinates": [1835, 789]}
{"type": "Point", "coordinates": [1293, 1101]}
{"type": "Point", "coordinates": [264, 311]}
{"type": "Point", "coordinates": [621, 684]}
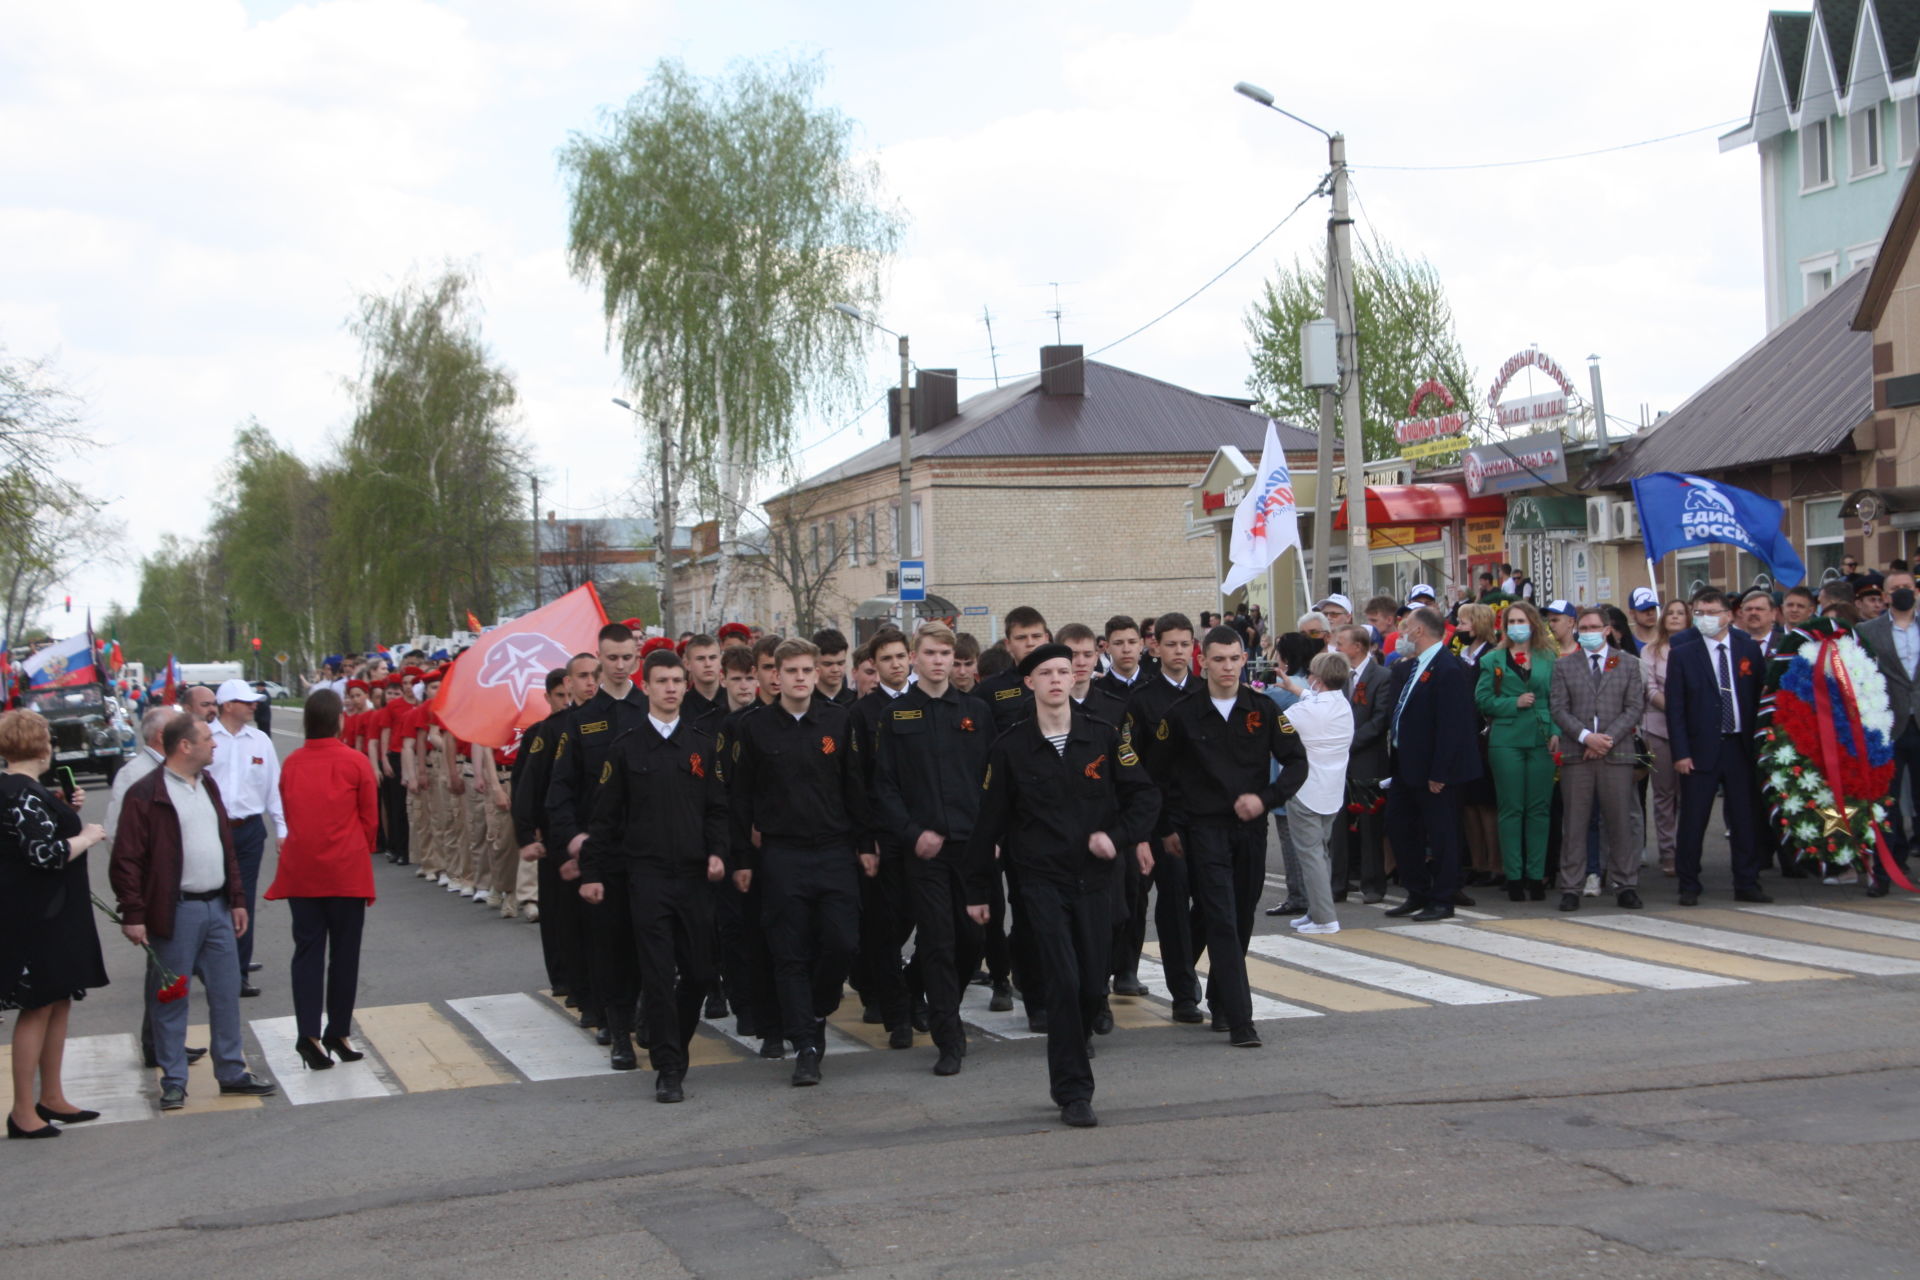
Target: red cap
{"type": "Point", "coordinates": [361, 685]}
{"type": "Point", "coordinates": [655, 645]}
{"type": "Point", "coordinates": [735, 631]}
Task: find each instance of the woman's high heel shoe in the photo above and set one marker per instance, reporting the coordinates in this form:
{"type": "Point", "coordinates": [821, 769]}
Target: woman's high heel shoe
{"type": "Point", "coordinates": [312, 1056]}
{"type": "Point", "coordinates": [64, 1117]}
{"type": "Point", "coordinates": [44, 1131]}
{"type": "Point", "coordinates": [1516, 891]}
{"type": "Point", "coordinates": [339, 1048]}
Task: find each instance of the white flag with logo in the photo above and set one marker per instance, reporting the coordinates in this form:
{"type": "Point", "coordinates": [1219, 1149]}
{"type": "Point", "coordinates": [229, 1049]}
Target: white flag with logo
{"type": "Point", "coordinates": [1266, 522]}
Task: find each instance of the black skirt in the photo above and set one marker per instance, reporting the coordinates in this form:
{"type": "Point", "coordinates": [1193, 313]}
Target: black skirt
{"type": "Point", "coordinates": [49, 944]}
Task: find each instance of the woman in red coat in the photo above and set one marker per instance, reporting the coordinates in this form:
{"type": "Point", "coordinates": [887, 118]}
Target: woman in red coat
{"type": "Point", "coordinates": [326, 875]}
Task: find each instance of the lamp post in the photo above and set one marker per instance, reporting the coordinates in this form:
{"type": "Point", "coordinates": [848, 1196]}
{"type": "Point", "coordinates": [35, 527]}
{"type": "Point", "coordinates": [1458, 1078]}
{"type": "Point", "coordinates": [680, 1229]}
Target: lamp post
{"type": "Point", "coordinates": [905, 538]}
{"type": "Point", "coordinates": [1339, 308]}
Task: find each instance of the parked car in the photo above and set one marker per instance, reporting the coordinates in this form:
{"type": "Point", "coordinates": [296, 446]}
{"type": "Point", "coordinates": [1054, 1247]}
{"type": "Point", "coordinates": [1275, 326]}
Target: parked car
{"type": "Point", "coordinates": [85, 736]}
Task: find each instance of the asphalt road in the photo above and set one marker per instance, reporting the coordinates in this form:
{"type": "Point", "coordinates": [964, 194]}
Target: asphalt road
{"type": "Point", "coordinates": [1566, 1125]}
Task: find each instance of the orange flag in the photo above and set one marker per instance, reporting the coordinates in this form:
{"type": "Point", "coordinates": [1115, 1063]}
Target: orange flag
{"type": "Point", "coordinates": [500, 684]}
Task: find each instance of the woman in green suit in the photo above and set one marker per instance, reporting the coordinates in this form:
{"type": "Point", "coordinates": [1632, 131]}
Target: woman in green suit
{"type": "Point", "coordinates": [1521, 743]}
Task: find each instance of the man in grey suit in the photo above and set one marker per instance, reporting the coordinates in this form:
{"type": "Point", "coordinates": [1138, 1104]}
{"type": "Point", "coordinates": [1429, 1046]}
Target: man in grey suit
{"type": "Point", "coordinates": [1366, 765]}
{"type": "Point", "coordinates": [1597, 699]}
{"type": "Point", "coordinates": [1894, 640]}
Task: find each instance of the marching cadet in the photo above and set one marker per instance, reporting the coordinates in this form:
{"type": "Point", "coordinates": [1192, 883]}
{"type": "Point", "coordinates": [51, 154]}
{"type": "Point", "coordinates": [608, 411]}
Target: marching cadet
{"type": "Point", "coordinates": [886, 910]}
{"type": "Point", "coordinates": [1088, 693]}
{"type": "Point", "coordinates": [1220, 744]}
{"type": "Point", "coordinates": [433, 786]}
{"type": "Point", "coordinates": [660, 823]}
{"type": "Point", "coordinates": [966, 661]}
{"type": "Point", "coordinates": [563, 933]}
{"type": "Point", "coordinates": [1154, 697]}
{"type": "Point", "coordinates": [798, 810]}
{"type": "Point", "coordinates": [833, 667]}
{"type": "Point", "coordinates": [1063, 795]}
{"type": "Point", "coordinates": [746, 971]}
{"type": "Point", "coordinates": [704, 694]}
{"type": "Point", "coordinates": [930, 751]}
{"type": "Point", "coordinates": [1124, 651]}
{"type": "Point", "coordinates": [579, 756]}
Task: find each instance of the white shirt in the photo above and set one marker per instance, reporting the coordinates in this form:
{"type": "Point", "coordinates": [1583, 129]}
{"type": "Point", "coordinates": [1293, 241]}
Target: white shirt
{"type": "Point", "coordinates": [203, 859]}
{"type": "Point", "coordinates": [131, 772]}
{"type": "Point", "coordinates": [1324, 721]}
{"type": "Point", "coordinates": [1114, 672]}
{"type": "Point", "coordinates": [246, 768]}
{"type": "Point", "coordinates": [1714, 649]}
{"type": "Point", "coordinates": [1223, 705]}
{"type": "Point", "coordinates": [664, 728]}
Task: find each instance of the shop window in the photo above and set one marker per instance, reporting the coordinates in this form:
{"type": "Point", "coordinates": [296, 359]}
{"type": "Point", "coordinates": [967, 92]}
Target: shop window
{"type": "Point", "coordinates": [1694, 574]}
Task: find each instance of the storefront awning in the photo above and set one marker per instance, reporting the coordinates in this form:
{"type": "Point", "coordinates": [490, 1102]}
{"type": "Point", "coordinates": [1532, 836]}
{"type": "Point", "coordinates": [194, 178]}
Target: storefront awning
{"type": "Point", "coordinates": [1531, 513]}
{"type": "Point", "coordinates": [1421, 504]}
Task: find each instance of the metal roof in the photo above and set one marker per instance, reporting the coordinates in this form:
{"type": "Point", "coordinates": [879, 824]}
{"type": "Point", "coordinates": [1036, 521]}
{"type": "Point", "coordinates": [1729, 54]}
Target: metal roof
{"type": "Point", "coordinates": [1122, 413]}
{"type": "Point", "coordinates": [1802, 391]}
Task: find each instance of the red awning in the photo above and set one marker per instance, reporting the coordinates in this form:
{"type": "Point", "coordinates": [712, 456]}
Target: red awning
{"type": "Point", "coordinates": [1418, 503]}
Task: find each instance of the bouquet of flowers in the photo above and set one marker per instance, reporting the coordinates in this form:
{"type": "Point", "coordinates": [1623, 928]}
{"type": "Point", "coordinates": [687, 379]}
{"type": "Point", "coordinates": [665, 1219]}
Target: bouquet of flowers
{"type": "Point", "coordinates": [173, 986]}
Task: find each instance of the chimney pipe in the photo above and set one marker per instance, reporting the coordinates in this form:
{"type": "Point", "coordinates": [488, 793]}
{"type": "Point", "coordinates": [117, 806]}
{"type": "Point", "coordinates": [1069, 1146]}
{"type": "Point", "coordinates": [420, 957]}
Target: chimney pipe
{"type": "Point", "coordinates": [1063, 371]}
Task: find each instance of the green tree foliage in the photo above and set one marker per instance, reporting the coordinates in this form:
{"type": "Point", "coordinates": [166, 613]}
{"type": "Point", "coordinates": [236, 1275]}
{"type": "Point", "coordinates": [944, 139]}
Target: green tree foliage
{"type": "Point", "coordinates": [181, 609]}
{"type": "Point", "coordinates": [271, 533]}
{"type": "Point", "coordinates": [1406, 336]}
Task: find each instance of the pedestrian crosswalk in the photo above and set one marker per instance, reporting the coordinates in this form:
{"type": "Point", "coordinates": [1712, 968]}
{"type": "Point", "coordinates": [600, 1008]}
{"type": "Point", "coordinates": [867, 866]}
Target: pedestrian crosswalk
{"type": "Point", "coordinates": [523, 1037]}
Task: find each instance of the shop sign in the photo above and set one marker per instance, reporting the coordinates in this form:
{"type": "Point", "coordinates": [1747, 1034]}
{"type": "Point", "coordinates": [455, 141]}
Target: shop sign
{"type": "Point", "coordinates": [1515, 464]}
{"type": "Point", "coordinates": [1210, 501]}
{"type": "Point", "coordinates": [1532, 409]}
{"type": "Point", "coordinates": [1441, 447]}
{"type": "Point", "coordinates": [1386, 537]}
{"type": "Point", "coordinates": [1417, 430]}
{"type": "Point", "coordinates": [1484, 535]}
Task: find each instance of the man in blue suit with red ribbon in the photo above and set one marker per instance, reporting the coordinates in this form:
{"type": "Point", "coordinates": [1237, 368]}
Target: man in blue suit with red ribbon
{"type": "Point", "coordinates": [1713, 702]}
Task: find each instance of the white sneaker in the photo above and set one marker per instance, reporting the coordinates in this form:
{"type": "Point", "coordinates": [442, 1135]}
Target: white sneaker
{"type": "Point", "coordinates": [480, 896]}
{"type": "Point", "coordinates": [1593, 886]}
{"type": "Point", "coordinates": [530, 913]}
{"type": "Point", "coordinates": [1852, 877]}
{"type": "Point", "coordinates": [1331, 926]}
{"type": "Point", "coordinates": [444, 882]}
{"type": "Point", "coordinates": [493, 899]}
{"type": "Point", "coordinates": [1297, 921]}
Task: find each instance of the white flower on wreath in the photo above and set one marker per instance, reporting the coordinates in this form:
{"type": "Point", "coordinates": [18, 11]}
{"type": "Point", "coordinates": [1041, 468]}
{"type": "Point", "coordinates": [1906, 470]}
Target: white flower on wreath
{"type": "Point", "coordinates": [1792, 803]}
{"type": "Point", "coordinates": [1869, 687]}
{"type": "Point", "coordinates": [1808, 832]}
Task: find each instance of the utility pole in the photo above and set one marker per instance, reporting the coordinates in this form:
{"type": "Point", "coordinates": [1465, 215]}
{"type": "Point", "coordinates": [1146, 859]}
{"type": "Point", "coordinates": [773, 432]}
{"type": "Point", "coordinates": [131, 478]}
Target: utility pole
{"type": "Point", "coordinates": [1353, 439]}
{"type": "Point", "coordinates": [537, 602]}
{"type": "Point", "coordinates": [1601, 444]}
{"type": "Point", "coordinates": [906, 473]}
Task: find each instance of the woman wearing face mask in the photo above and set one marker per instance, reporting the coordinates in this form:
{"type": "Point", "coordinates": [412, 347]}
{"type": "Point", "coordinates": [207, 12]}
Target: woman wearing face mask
{"type": "Point", "coordinates": [1675, 620]}
{"type": "Point", "coordinates": [1478, 634]}
{"type": "Point", "coordinates": [1512, 693]}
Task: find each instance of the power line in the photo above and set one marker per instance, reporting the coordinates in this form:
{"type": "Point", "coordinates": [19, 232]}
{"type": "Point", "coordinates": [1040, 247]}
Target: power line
{"type": "Point", "coordinates": [1570, 155]}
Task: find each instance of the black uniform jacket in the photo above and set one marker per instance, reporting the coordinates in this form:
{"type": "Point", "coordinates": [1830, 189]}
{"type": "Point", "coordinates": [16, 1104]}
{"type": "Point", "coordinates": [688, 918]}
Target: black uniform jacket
{"type": "Point", "coordinates": [929, 758]}
{"type": "Point", "coordinates": [532, 771]}
{"type": "Point", "coordinates": [1007, 697]}
{"type": "Point", "coordinates": [585, 739]}
{"type": "Point", "coordinates": [1211, 762]}
{"type": "Point", "coordinates": [1041, 807]}
{"type": "Point", "coordinates": [1103, 704]}
{"type": "Point", "coordinates": [795, 781]}
{"type": "Point", "coordinates": [661, 809]}
{"type": "Point", "coordinates": [1153, 697]}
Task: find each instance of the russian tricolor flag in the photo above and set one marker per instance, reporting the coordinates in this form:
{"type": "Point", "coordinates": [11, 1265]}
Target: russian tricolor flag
{"type": "Point", "coordinates": [65, 662]}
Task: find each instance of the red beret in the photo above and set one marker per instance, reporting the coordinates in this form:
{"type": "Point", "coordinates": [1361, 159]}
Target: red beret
{"type": "Point", "coordinates": [633, 624]}
{"type": "Point", "coordinates": [655, 645]}
{"type": "Point", "coordinates": [735, 631]}
{"type": "Point", "coordinates": [361, 685]}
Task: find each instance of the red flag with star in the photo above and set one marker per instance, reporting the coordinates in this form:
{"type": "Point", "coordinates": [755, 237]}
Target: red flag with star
{"type": "Point", "coordinates": [499, 686]}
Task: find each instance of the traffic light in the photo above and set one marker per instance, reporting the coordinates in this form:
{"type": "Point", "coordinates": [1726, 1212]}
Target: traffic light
{"type": "Point", "coordinates": [69, 604]}
{"type": "Point", "coordinates": [256, 644]}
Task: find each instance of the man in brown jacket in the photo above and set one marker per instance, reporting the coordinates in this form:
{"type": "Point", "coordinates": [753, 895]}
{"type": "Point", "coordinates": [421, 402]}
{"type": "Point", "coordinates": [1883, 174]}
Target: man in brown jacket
{"type": "Point", "coordinates": [178, 884]}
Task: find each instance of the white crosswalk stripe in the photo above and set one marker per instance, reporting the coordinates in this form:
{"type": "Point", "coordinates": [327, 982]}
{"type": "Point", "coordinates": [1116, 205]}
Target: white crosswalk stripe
{"type": "Point", "coordinates": [103, 1073]}
{"type": "Point", "coordinates": [1747, 944]}
{"type": "Point", "coordinates": [1154, 978]}
{"type": "Point", "coordinates": [534, 1036]}
{"type": "Point", "coordinates": [1857, 921]}
{"type": "Point", "coordinates": [1548, 955]}
{"type": "Point", "coordinates": [344, 1080]}
{"type": "Point", "coordinates": [1391, 975]}
{"type": "Point", "coordinates": [1011, 1025]}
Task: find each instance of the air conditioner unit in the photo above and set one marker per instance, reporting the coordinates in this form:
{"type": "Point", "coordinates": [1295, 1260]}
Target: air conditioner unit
{"type": "Point", "coordinates": [1599, 519]}
{"type": "Point", "coordinates": [1626, 522]}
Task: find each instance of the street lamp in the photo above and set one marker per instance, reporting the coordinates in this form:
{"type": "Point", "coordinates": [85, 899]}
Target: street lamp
{"type": "Point", "coordinates": [1338, 308]}
{"type": "Point", "coordinates": [906, 427]}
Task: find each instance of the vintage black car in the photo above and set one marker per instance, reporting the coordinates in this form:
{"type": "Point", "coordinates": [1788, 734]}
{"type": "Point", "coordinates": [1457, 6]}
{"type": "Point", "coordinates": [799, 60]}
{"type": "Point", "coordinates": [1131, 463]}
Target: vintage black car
{"type": "Point", "coordinates": [85, 735]}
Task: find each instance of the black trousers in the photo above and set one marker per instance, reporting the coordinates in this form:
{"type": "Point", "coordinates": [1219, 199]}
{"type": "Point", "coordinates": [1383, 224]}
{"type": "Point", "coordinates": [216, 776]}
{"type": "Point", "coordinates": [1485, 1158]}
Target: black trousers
{"type": "Point", "coordinates": [810, 910]}
{"type": "Point", "coordinates": [1906, 755]}
{"type": "Point", "coordinates": [886, 921]}
{"type": "Point", "coordinates": [612, 964]}
{"type": "Point", "coordinates": [1028, 973]}
{"type": "Point", "coordinates": [743, 961]}
{"type": "Point", "coordinates": [996, 953]}
{"type": "Point", "coordinates": [1072, 927]}
{"type": "Point", "coordinates": [1227, 870]}
{"type": "Point", "coordinates": [1732, 779]}
{"type": "Point", "coordinates": [1130, 927]}
{"type": "Point", "coordinates": [326, 962]}
{"type": "Point", "coordinates": [1173, 915]}
{"type": "Point", "coordinates": [249, 850]}
{"type": "Point", "coordinates": [672, 923]}
{"type": "Point", "coordinates": [946, 944]}
{"type": "Point", "coordinates": [1425, 830]}
{"type": "Point", "coordinates": [393, 812]}
{"type": "Point", "coordinates": [1357, 853]}
{"type": "Point", "coordinates": [563, 931]}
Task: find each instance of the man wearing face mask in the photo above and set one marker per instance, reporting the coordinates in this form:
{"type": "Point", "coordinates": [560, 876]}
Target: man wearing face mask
{"type": "Point", "coordinates": [1597, 701]}
{"type": "Point", "coordinates": [1894, 640]}
{"type": "Point", "coordinates": [1713, 698]}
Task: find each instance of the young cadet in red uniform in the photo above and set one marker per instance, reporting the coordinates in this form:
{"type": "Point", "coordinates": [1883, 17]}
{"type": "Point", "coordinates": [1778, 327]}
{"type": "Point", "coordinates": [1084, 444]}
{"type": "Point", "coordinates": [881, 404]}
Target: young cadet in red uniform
{"type": "Point", "coordinates": [1063, 796]}
{"type": "Point", "coordinates": [660, 822]}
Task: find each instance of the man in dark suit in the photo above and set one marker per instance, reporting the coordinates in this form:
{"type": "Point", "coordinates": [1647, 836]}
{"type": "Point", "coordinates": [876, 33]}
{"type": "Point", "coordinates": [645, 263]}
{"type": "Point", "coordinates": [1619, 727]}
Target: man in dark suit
{"type": "Point", "coordinates": [1713, 698]}
{"type": "Point", "coordinates": [1431, 736]}
{"type": "Point", "coordinates": [1894, 640]}
{"type": "Point", "coordinates": [1368, 693]}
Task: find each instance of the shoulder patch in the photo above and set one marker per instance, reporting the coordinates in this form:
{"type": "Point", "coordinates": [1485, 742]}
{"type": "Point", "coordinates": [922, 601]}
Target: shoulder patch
{"type": "Point", "coordinates": [606, 772]}
{"type": "Point", "coordinates": [1286, 725]}
{"type": "Point", "coordinates": [986, 783]}
{"type": "Point", "coordinates": [1001, 695]}
{"type": "Point", "coordinates": [538, 745]}
{"type": "Point", "coordinates": [1128, 757]}
{"type": "Point", "coordinates": [915, 714]}
{"type": "Point", "coordinates": [719, 742]}
{"type": "Point", "coordinates": [1163, 732]}
{"type": "Point", "coordinates": [598, 726]}
{"type": "Point", "coordinates": [560, 747]}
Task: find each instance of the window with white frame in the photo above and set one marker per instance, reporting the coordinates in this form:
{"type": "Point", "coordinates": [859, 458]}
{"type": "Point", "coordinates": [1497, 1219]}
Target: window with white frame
{"type": "Point", "coordinates": [1908, 114]}
{"type": "Point", "coordinates": [900, 549]}
{"type": "Point", "coordinates": [1693, 573]}
{"type": "Point", "coordinates": [1817, 275]}
{"type": "Point", "coordinates": [873, 537]}
{"type": "Point", "coordinates": [1862, 255]}
{"type": "Point", "coordinates": [1826, 540]}
{"type": "Point", "coordinates": [853, 540]}
{"type": "Point", "coordinates": [1863, 143]}
{"type": "Point", "coordinates": [1816, 155]}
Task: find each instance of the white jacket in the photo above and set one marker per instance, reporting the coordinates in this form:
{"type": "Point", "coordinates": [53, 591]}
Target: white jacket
{"type": "Point", "coordinates": [1324, 721]}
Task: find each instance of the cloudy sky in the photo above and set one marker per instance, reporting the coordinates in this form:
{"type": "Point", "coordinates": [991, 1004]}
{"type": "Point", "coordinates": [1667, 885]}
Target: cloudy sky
{"type": "Point", "coordinates": [197, 192]}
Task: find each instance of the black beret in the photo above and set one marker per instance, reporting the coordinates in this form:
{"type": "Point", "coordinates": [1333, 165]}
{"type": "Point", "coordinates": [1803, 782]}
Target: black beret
{"type": "Point", "coordinates": [1045, 653]}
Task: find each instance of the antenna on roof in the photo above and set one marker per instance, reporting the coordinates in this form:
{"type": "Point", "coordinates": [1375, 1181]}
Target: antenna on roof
{"type": "Point", "coordinates": [993, 355]}
{"type": "Point", "coordinates": [1055, 313]}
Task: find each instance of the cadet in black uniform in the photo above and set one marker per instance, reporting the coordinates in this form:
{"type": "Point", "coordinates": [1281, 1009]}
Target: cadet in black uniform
{"type": "Point", "coordinates": [833, 684]}
{"type": "Point", "coordinates": [1125, 673]}
{"type": "Point", "coordinates": [562, 920]}
{"type": "Point", "coordinates": [1220, 743]}
{"type": "Point", "coordinates": [578, 759]}
{"type": "Point", "coordinates": [799, 813]}
{"type": "Point", "coordinates": [660, 823]}
{"type": "Point", "coordinates": [1063, 795]}
{"type": "Point", "coordinates": [1092, 697]}
{"type": "Point", "coordinates": [706, 694]}
{"type": "Point", "coordinates": [886, 907]}
{"type": "Point", "coordinates": [1173, 912]}
{"type": "Point", "coordinates": [745, 969]}
{"type": "Point", "coordinates": [930, 755]}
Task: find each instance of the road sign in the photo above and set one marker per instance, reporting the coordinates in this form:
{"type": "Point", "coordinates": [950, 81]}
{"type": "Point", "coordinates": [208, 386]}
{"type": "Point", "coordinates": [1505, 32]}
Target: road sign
{"type": "Point", "coordinates": [282, 657]}
{"type": "Point", "coordinates": [974, 610]}
{"type": "Point", "coordinates": [913, 580]}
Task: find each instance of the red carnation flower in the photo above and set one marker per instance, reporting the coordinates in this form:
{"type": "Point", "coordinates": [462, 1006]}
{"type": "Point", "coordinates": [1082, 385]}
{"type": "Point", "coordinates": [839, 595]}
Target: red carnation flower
{"type": "Point", "coordinates": [175, 990]}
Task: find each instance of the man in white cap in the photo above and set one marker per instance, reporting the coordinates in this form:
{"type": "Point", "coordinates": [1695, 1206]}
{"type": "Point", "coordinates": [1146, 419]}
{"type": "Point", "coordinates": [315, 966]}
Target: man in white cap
{"type": "Point", "coordinates": [1644, 608]}
{"type": "Point", "coordinates": [1421, 594]}
{"type": "Point", "coordinates": [1560, 615]}
{"type": "Point", "coordinates": [1337, 608]}
{"type": "Point", "coordinates": [247, 770]}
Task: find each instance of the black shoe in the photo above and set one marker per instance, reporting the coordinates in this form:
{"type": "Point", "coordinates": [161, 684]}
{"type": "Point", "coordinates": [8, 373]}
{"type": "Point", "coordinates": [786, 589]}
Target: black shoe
{"type": "Point", "coordinates": [339, 1048]}
{"type": "Point", "coordinates": [1460, 898]}
{"type": "Point", "coordinates": [1245, 1038]}
{"type": "Point", "coordinates": [1103, 1020]}
{"type": "Point", "coordinates": [666, 1088]}
{"type": "Point", "coordinates": [901, 1037]}
{"type": "Point", "coordinates": [1536, 891]}
{"type": "Point", "coordinates": [603, 1037]}
{"type": "Point", "coordinates": [249, 1084]}
{"type": "Point", "coordinates": [1340, 896]}
{"type": "Point", "coordinates": [1630, 899]}
{"type": "Point", "coordinates": [1037, 1021]}
{"type": "Point", "coordinates": [1128, 984]}
{"type": "Point", "coordinates": [872, 1016]}
{"type": "Point", "coordinates": [591, 1019]}
{"type": "Point", "coordinates": [255, 967]}
{"type": "Point", "coordinates": [1282, 909]}
{"type": "Point", "coordinates": [1751, 895]}
{"type": "Point", "coordinates": [64, 1117]}
{"type": "Point", "coordinates": [980, 978]}
{"type": "Point", "coordinates": [623, 1058]}
{"type": "Point", "coordinates": [312, 1056]}
{"type": "Point", "coordinates": [918, 1018]}
{"type": "Point", "coordinates": [1370, 897]}
{"type": "Point", "coordinates": [1079, 1114]}
{"type": "Point", "coordinates": [773, 1047]}
{"type": "Point", "coordinates": [1002, 1001]}
{"type": "Point", "coordinates": [1793, 872]}
{"type": "Point", "coordinates": [716, 1007]}
{"type": "Point", "coordinates": [1516, 891]}
{"type": "Point", "coordinates": [1091, 1055]}
{"type": "Point", "coordinates": [1569, 902]}
{"type": "Point", "coordinates": [44, 1131]}
{"type": "Point", "coordinates": [172, 1097]}
{"type": "Point", "coordinates": [194, 1055]}
{"type": "Point", "coordinates": [1433, 913]}
{"type": "Point", "coordinates": [1219, 1021]}
{"type": "Point", "coordinates": [248, 989]}
{"type": "Point", "coordinates": [949, 1064]}
{"type": "Point", "coordinates": [1188, 1011]}
{"type": "Point", "coordinates": [1406, 908]}
{"type": "Point", "coordinates": [1878, 889]}
{"type": "Point", "coordinates": [806, 1067]}
{"type": "Point", "coordinates": [1689, 899]}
